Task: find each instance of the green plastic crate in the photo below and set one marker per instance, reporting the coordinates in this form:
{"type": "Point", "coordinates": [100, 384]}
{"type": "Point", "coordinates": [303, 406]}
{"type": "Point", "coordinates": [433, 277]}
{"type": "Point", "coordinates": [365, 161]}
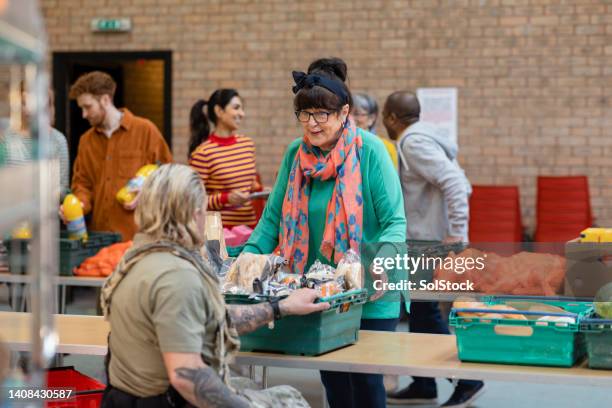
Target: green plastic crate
{"type": "Point", "coordinates": [17, 251]}
{"type": "Point", "coordinates": [308, 335]}
{"type": "Point", "coordinates": [233, 252]}
{"type": "Point", "coordinates": [430, 249]}
{"type": "Point", "coordinates": [598, 334]}
{"type": "Point", "coordinates": [74, 252]}
{"type": "Point", "coordinates": [542, 343]}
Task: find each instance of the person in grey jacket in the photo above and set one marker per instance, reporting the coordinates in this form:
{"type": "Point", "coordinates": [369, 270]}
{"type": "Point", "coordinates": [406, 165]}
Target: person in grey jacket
{"type": "Point", "coordinates": [436, 193]}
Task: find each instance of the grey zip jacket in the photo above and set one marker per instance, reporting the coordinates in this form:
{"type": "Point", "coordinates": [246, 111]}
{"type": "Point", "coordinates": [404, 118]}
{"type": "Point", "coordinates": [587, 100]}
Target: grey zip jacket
{"type": "Point", "coordinates": [435, 188]}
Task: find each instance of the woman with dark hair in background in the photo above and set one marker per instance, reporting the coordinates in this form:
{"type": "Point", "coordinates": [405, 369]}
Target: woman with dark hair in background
{"type": "Point", "coordinates": [336, 189]}
{"type": "Point", "coordinates": [365, 113]}
{"type": "Point", "coordinates": [224, 159]}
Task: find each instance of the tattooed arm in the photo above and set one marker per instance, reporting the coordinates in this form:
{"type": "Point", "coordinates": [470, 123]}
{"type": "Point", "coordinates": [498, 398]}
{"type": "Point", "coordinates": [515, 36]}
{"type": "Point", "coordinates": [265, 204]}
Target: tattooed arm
{"type": "Point", "coordinates": [200, 384]}
{"type": "Point", "coordinates": [247, 318]}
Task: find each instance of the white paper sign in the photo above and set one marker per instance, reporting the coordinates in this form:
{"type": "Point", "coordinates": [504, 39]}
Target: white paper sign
{"type": "Point", "coordinates": [439, 109]}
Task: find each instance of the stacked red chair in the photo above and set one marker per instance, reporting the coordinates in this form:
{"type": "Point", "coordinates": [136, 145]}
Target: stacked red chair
{"type": "Point", "coordinates": [495, 214]}
{"type": "Point", "coordinates": [563, 208]}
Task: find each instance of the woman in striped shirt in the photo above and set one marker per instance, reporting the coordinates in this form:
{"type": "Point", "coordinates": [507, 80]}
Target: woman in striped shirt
{"type": "Point", "coordinates": [224, 159]}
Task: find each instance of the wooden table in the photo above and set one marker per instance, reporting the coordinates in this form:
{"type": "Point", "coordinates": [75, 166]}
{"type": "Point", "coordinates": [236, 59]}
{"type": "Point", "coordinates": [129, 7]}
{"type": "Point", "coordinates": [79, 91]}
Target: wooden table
{"type": "Point", "coordinates": [427, 355]}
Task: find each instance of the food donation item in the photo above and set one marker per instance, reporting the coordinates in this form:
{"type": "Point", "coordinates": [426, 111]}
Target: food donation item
{"type": "Point", "coordinates": [603, 301]}
{"type": "Point", "coordinates": [127, 194]}
{"type": "Point", "coordinates": [248, 268]}
{"type": "Point", "coordinates": [268, 275]}
{"type": "Point", "coordinates": [525, 273]}
{"type": "Point", "coordinates": [496, 311]}
{"type": "Point", "coordinates": [73, 212]}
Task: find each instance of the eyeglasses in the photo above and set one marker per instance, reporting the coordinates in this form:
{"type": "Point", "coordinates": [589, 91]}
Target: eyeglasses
{"type": "Point", "coordinates": [319, 117]}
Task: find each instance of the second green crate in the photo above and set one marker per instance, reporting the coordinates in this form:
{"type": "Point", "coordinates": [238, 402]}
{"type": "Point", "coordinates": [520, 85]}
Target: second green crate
{"type": "Point", "coordinates": [529, 342]}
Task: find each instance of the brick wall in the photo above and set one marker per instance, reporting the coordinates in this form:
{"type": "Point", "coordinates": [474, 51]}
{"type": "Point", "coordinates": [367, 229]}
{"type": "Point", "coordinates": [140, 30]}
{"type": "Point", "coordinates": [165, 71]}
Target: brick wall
{"type": "Point", "coordinates": [145, 95]}
{"type": "Point", "coordinates": [534, 76]}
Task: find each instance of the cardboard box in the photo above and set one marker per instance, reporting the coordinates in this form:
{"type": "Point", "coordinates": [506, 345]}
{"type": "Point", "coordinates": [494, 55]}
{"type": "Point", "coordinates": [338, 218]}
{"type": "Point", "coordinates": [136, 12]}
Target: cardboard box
{"type": "Point", "coordinates": [589, 267]}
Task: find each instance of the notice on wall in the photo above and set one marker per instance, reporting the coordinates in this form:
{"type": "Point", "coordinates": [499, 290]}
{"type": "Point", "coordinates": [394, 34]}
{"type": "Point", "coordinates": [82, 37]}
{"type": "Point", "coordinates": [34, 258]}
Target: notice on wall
{"type": "Point", "coordinates": [439, 109]}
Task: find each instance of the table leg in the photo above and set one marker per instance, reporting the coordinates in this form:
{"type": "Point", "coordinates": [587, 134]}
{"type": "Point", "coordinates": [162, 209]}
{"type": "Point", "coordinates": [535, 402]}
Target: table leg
{"type": "Point", "coordinates": [25, 291]}
{"type": "Point", "coordinates": [13, 296]}
{"type": "Point", "coordinates": [324, 401]}
{"type": "Point", "coordinates": [264, 377]}
{"type": "Point", "coordinates": [63, 301]}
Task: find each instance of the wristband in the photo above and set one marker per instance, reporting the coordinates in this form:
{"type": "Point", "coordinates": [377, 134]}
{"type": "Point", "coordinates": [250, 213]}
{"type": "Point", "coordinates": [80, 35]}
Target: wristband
{"type": "Point", "coordinates": [275, 308]}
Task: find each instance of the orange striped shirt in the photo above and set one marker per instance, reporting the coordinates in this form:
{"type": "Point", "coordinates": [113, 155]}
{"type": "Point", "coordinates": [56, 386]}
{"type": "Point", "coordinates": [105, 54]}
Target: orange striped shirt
{"type": "Point", "coordinates": [227, 164]}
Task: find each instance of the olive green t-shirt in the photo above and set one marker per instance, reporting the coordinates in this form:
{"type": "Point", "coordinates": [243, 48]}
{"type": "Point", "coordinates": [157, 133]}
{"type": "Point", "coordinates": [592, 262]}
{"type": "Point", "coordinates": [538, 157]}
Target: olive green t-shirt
{"type": "Point", "coordinates": [159, 306]}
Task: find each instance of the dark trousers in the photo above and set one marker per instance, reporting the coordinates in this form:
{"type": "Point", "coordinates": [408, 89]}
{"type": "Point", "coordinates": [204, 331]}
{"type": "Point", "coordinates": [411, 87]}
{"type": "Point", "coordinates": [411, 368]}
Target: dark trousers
{"type": "Point", "coordinates": [354, 390]}
{"type": "Point", "coordinates": [425, 317]}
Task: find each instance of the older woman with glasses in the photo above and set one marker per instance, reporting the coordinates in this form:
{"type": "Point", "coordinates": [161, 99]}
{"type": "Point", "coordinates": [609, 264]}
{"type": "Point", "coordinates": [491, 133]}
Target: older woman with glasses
{"type": "Point", "coordinates": [336, 189]}
{"type": "Point", "coordinates": [365, 113]}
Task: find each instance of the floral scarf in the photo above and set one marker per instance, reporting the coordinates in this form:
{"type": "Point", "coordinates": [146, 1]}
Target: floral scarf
{"type": "Point", "coordinates": [344, 217]}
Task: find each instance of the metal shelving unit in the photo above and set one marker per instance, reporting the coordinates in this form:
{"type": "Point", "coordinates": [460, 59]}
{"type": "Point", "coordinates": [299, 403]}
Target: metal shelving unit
{"type": "Point", "coordinates": [26, 191]}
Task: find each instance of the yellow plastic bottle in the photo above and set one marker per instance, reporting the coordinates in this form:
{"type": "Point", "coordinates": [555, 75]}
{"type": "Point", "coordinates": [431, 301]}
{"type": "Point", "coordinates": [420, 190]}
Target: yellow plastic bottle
{"type": "Point", "coordinates": [127, 194]}
{"type": "Point", "coordinates": [73, 212]}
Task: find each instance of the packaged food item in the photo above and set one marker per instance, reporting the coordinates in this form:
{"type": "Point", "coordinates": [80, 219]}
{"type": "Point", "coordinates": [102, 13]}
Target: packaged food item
{"type": "Point", "coordinates": [320, 271]}
{"type": "Point", "coordinates": [513, 316]}
{"type": "Point", "coordinates": [329, 288]}
{"type": "Point", "coordinates": [127, 194]}
{"type": "Point", "coordinates": [557, 319]}
{"type": "Point", "coordinates": [290, 280]}
{"type": "Point", "coordinates": [73, 212]}
{"type": "Point", "coordinates": [603, 301]}
{"type": "Point", "coordinates": [249, 267]}
{"type": "Point", "coordinates": [351, 270]}
{"type": "Point", "coordinates": [277, 289]}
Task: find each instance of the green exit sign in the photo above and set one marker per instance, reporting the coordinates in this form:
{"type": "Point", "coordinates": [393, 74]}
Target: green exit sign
{"type": "Point", "coordinates": [114, 25]}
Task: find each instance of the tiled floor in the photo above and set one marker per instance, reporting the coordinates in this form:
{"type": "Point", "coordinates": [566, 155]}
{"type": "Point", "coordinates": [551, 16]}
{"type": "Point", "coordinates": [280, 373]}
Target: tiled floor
{"type": "Point", "coordinates": [497, 395]}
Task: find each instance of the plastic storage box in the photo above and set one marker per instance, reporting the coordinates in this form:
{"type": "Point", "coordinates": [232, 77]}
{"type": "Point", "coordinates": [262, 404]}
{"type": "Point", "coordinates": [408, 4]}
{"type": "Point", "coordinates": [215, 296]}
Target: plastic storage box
{"type": "Point", "coordinates": [88, 391]}
{"type": "Point", "coordinates": [309, 335]}
{"type": "Point", "coordinates": [598, 334]}
{"type": "Point", "coordinates": [529, 342]}
{"type": "Point", "coordinates": [17, 250]}
{"type": "Point", "coordinates": [74, 252]}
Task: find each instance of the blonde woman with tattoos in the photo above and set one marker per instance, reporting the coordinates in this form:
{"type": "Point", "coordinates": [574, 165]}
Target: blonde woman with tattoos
{"type": "Point", "coordinates": [172, 335]}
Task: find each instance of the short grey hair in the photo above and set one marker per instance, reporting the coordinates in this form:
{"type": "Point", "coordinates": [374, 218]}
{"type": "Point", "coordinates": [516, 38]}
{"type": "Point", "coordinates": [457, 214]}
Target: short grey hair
{"type": "Point", "coordinates": [368, 104]}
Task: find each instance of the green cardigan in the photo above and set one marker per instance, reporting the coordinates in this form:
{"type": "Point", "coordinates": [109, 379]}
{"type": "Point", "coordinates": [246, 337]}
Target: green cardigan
{"type": "Point", "coordinates": [383, 213]}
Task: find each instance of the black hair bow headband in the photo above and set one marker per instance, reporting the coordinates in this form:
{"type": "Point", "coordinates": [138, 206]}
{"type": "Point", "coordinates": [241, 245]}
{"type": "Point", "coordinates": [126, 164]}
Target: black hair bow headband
{"type": "Point", "coordinates": [303, 80]}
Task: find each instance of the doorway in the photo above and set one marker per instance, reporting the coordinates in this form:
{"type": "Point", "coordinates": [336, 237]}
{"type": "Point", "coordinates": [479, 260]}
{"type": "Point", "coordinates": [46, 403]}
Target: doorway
{"type": "Point", "coordinates": [144, 86]}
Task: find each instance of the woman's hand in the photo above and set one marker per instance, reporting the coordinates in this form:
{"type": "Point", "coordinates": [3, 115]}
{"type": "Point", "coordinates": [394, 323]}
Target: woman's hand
{"type": "Point", "coordinates": [382, 285]}
{"type": "Point", "coordinates": [237, 197]}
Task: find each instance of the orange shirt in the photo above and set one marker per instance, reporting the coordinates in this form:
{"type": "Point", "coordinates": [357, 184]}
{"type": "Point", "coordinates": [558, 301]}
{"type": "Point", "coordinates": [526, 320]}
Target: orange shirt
{"type": "Point", "coordinates": [103, 165]}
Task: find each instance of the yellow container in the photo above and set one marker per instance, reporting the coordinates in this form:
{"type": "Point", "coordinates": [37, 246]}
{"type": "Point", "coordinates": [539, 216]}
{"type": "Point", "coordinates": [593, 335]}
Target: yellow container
{"type": "Point", "coordinates": [75, 221]}
{"type": "Point", "coordinates": [596, 235]}
{"type": "Point", "coordinates": [128, 193]}
{"type": "Point", "coordinates": [22, 231]}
